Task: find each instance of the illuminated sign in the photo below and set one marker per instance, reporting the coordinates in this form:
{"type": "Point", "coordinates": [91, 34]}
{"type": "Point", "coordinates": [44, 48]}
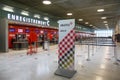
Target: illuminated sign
{"type": "Point", "coordinates": [27, 20]}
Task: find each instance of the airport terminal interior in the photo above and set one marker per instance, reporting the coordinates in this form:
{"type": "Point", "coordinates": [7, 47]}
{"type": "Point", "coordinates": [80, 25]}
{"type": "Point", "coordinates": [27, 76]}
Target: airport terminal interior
{"type": "Point", "coordinates": [60, 40]}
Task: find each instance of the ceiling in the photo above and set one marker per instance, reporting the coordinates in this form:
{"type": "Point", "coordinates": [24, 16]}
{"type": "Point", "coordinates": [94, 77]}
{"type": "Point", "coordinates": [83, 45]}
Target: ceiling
{"type": "Point", "coordinates": [85, 9]}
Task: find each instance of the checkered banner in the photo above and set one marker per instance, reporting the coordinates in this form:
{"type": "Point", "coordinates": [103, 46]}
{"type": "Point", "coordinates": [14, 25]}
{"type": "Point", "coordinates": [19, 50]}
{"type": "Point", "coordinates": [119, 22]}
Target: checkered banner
{"type": "Point", "coordinates": [66, 45]}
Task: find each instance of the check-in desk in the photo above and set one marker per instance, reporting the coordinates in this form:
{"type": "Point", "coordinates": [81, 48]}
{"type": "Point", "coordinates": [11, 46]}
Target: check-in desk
{"type": "Point", "coordinates": [39, 43]}
{"type": "Point", "coordinates": [20, 45]}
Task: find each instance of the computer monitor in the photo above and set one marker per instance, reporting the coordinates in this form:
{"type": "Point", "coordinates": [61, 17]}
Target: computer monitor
{"type": "Point", "coordinates": [27, 30]}
{"type": "Point", "coordinates": [41, 32]}
{"type": "Point", "coordinates": [20, 30]}
{"type": "Point", "coordinates": [11, 29]}
{"type": "Point", "coordinates": [37, 31]}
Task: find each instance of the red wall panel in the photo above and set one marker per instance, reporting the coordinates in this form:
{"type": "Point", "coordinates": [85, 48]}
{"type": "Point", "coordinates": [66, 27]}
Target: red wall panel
{"type": "Point", "coordinates": [21, 29]}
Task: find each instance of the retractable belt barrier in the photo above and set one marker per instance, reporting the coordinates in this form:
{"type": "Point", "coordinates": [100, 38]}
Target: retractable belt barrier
{"type": "Point", "coordinates": [99, 42]}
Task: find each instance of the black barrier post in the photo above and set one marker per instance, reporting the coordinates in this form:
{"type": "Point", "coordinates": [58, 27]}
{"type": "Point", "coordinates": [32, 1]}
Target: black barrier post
{"type": "Point", "coordinates": [115, 54]}
{"type": "Point", "coordinates": [92, 47]}
{"type": "Point", "coordinates": [96, 44]}
{"type": "Point", "coordinates": [88, 58]}
{"type": "Point", "coordinates": [81, 47]}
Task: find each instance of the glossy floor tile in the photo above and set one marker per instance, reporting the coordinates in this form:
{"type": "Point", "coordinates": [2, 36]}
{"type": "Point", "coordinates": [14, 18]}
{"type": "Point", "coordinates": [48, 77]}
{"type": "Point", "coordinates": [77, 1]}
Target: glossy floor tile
{"type": "Point", "coordinates": [16, 65]}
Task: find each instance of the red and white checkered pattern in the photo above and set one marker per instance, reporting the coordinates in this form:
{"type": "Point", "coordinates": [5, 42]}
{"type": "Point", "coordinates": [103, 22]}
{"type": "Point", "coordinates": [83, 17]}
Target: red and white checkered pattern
{"type": "Point", "coordinates": [66, 43]}
{"type": "Point", "coordinates": [66, 61]}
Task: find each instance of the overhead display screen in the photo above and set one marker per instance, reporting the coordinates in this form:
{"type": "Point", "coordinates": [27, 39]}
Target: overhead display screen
{"type": "Point", "coordinates": [11, 29]}
{"type": "Point", "coordinates": [37, 31]}
{"type": "Point", "coordinates": [27, 30]}
{"type": "Point", "coordinates": [20, 30]}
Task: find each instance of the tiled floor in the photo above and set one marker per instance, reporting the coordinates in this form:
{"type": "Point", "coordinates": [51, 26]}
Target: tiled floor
{"type": "Point", "coordinates": [16, 65]}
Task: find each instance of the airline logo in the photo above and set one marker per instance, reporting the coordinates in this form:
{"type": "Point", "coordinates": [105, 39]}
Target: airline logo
{"type": "Point", "coordinates": [65, 26]}
{"type": "Point", "coordinates": [68, 24]}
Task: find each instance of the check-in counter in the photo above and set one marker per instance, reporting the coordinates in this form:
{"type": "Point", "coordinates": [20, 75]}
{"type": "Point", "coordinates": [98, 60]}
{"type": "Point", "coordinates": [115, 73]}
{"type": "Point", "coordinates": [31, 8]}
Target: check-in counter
{"type": "Point", "coordinates": [20, 45]}
{"type": "Point", "coordinates": [39, 43]}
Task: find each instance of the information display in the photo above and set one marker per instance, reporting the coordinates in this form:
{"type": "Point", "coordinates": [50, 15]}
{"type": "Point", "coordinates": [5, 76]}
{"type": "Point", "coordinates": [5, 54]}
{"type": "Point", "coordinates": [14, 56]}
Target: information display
{"type": "Point", "coordinates": [20, 30]}
{"type": "Point", "coordinates": [11, 29]}
{"type": "Point", "coordinates": [27, 30]}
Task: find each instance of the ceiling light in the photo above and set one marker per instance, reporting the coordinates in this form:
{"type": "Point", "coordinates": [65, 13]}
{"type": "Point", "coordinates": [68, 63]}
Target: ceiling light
{"type": "Point", "coordinates": [106, 24]}
{"type": "Point", "coordinates": [107, 27]}
{"type": "Point", "coordinates": [26, 13]}
{"type": "Point", "coordinates": [91, 25]}
{"type": "Point", "coordinates": [37, 16]}
{"type": "Point", "coordinates": [80, 19]}
{"type": "Point", "coordinates": [104, 21]}
{"type": "Point", "coordinates": [46, 18]}
{"type": "Point", "coordinates": [100, 10]}
{"type": "Point", "coordinates": [69, 14]}
{"type": "Point", "coordinates": [8, 8]}
{"type": "Point", "coordinates": [86, 23]}
{"type": "Point", "coordinates": [46, 2]}
{"type": "Point", "coordinates": [103, 17]}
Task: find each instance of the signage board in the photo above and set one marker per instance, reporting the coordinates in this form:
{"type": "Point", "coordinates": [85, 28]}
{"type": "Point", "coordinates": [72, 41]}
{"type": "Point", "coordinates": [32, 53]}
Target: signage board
{"type": "Point", "coordinates": [27, 19]}
{"type": "Point", "coordinates": [66, 48]}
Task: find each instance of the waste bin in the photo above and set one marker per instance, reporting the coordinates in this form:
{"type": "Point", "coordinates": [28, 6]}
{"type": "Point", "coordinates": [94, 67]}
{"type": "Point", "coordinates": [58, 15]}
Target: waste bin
{"type": "Point", "coordinates": [46, 45]}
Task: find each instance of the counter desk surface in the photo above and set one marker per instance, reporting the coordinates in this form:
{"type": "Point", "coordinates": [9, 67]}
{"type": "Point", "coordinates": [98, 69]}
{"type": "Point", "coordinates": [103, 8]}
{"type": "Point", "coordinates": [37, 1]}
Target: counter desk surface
{"type": "Point", "coordinates": [20, 45]}
{"type": "Point", "coordinates": [23, 44]}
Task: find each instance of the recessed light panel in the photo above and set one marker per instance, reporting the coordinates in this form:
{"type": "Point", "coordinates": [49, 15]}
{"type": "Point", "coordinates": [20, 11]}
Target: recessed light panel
{"type": "Point", "coordinates": [91, 25]}
{"type": "Point", "coordinates": [37, 16]}
{"type": "Point", "coordinates": [100, 10]}
{"type": "Point", "coordinates": [26, 13]}
{"type": "Point", "coordinates": [104, 21]}
{"type": "Point", "coordinates": [80, 19]}
{"type": "Point", "coordinates": [8, 8]}
{"type": "Point", "coordinates": [106, 24]}
{"type": "Point", "coordinates": [69, 14]}
{"type": "Point", "coordinates": [46, 18]}
{"type": "Point", "coordinates": [86, 23]}
{"type": "Point", "coordinates": [103, 17]}
{"type": "Point", "coordinates": [47, 2]}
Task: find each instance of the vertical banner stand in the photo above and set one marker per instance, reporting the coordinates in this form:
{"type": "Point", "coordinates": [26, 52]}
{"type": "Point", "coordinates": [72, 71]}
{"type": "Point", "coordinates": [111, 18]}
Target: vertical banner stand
{"type": "Point", "coordinates": [66, 48]}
